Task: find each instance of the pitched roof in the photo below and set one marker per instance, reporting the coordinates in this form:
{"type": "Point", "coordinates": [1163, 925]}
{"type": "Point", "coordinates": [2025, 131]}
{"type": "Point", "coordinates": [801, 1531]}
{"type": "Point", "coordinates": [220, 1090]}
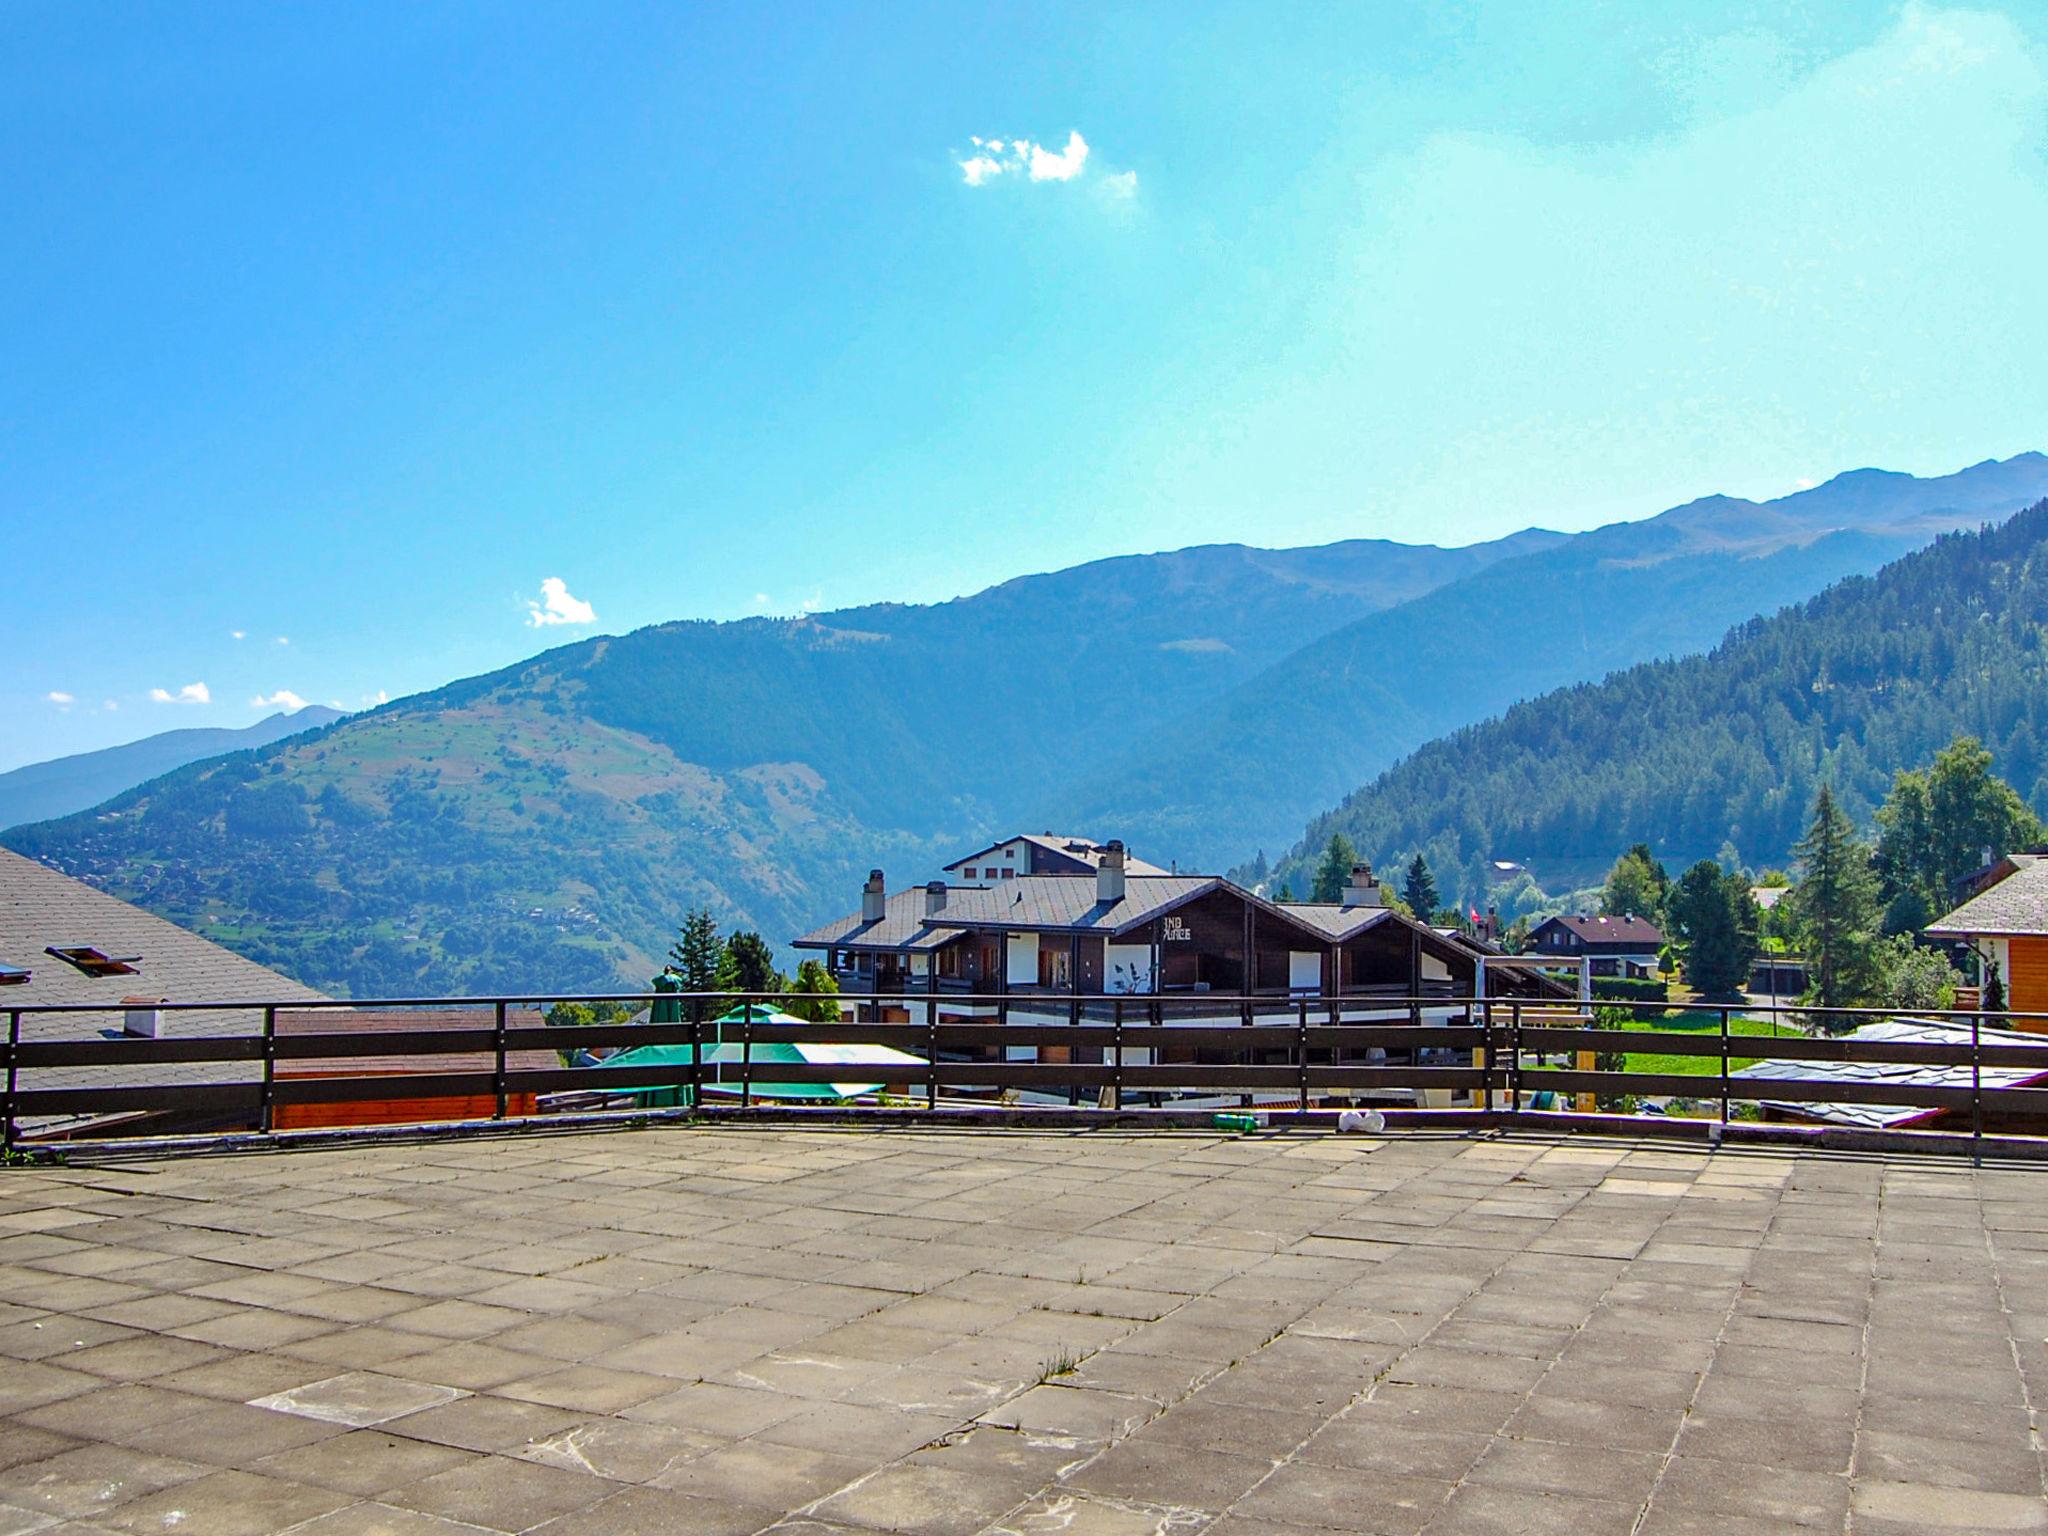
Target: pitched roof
{"type": "Point", "coordinates": [2016, 906]}
{"type": "Point", "coordinates": [1061, 902]}
{"type": "Point", "coordinates": [41, 907]}
{"type": "Point", "coordinates": [1605, 930]}
{"type": "Point", "coordinates": [1915, 1031]}
{"type": "Point", "coordinates": [1085, 849]}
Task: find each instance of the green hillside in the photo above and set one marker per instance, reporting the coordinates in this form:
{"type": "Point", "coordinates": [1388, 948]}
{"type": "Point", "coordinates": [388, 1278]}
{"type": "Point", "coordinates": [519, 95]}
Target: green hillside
{"type": "Point", "coordinates": [1871, 676]}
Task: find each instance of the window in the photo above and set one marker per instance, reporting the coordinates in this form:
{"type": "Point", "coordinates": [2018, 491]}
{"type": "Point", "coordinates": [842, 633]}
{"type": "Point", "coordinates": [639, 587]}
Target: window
{"type": "Point", "coordinates": [968, 872]}
{"type": "Point", "coordinates": [1009, 874]}
{"type": "Point", "coordinates": [93, 962]}
{"type": "Point", "coordinates": [13, 976]}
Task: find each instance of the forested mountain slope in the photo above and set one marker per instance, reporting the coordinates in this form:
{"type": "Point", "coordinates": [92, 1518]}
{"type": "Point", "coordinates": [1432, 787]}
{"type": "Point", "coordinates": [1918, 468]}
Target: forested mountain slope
{"type": "Point", "coordinates": [547, 825]}
{"type": "Point", "coordinates": [1871, 676]}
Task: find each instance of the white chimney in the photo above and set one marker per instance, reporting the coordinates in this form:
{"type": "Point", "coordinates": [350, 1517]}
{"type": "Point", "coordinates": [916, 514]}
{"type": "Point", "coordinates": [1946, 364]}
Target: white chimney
{"type": "Point", "coordinates": [935, 898]}
{"type": "Point", "coordinates": [873, 898]}
{"type": "Point", "coordinates": [142, 1016]}
{"type": "Point", "coordinates": [1363, 891]}
{"type": "Point", "coordinates": [1109, 874]}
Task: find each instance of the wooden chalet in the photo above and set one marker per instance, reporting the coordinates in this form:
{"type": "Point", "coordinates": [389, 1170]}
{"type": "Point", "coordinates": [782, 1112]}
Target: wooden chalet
{"type": "Point", "coordinates": [1113, 932]}
{"type": "Point", "coordinates": [1611, 946]}
{"type": "Point", "coordinates": [2004, 922]}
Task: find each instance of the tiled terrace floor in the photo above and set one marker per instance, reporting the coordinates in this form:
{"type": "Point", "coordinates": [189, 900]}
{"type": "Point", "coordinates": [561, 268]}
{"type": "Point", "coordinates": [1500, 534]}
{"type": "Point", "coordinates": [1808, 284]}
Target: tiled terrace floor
{"type": "Point", "coordinates": [685, 1331]}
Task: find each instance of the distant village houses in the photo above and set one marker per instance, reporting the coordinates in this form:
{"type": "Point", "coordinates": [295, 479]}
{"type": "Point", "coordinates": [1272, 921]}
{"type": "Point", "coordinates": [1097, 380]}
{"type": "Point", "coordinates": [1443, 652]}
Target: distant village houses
{"type": "Point", "coordinates": [1624, 946]}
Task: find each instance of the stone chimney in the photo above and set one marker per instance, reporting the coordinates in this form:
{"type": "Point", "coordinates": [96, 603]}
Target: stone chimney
{"type": "Point", "coordinates": [873, 898]}
{"type": "Point", "coordinates": [142, 1016]}
{"type": "Point", "coordinates": [1363, 891]}
{"type": "Point", "coordinates": [935, 898]}
{"type": "Point", "coordinates": [1109, 874]}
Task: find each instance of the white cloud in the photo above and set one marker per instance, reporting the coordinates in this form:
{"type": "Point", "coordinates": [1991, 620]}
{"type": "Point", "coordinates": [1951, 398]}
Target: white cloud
{"type": "Point", "coordinates": [760, 599]}
{"type": "Point", "coordinates": [371, 700]}
{"type": "Point", "coordinates": [1123, 185]}
{"type": "Point", "coordinates": [238, 634]}
{"type": "Point", "coordinates": [284, 640]}
{"type": "Point", "coordinates": [284, 698]}
{"type": "Point", "coordinates": [1064, 166]}
{"type": "Point", "coordinates": [191, 693]}
{"type": "Point", "coordinates": [556, 606]}
{"type": "Point", "coordinates": [60, 699]}
{"type": "Point", "coordinates": [110, 705]}
{"type": "Point", "coordinates": [1000, 157]}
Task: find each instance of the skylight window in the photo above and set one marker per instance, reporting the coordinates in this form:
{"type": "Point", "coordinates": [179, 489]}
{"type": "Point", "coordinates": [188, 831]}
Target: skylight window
{"type": "Point", "coordinates": [93, 961]}
{"type": "Point", "coordinates": [13, 976]}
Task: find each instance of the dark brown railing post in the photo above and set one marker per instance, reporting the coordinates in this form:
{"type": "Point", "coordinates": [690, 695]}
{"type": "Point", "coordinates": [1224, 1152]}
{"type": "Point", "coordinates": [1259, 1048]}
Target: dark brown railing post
{"type": "Point", "coordinates": [1724, 1066]}
{"type": "Point", "coordinates": [1515, 1057]}
{"type": "Point", "coordinates": [269, 1122]}
{"type": "Point", "coordinates": [1976, 1088]}
{"type": "Point", "coordinates": [498, 1052]}
{"type": "Point", "coordinates": [931, 1054]}
{"type": "Point", "coordinates": [1073, 1023]}
{"type": "Point", "coordinates": [13, 1048]}
{"type": "Point", "coordinates": [696, 1065]}
{"type": "Point", "coordinates": [747, 1059]}
{"type": "Point", "coordinates": [1303, 1055]}
{"type": "Point", "coordinates": [1486, 1055]}
{"type": "Point", "coordinates": [1116, 1044]}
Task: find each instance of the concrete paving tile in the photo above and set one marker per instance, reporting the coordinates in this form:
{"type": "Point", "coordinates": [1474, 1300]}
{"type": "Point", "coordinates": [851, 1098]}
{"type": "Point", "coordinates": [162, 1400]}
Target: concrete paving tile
{"type": "Point", "coordinates": [385, 1520]}
{"type": "Point", "coordinates": [620, 1449]}
{"type": "Point", "coordinates": [2003, 1465]}
{"type": "Point", "coordinates": [1181, 1476]}
{"type": "Point", "coordinates": [1373, 1445]}
{"type": "Point", "coordinates": [857, 1429]}
{"type": "Point", "coordinates": [481, 1422]}
{"type": "Point", "coordinates": [1883, 1506]}
{"type": "Point", "coordinates": [362, 1462]}
{"type": "Point", "coordinates": [919, 1500]}
{"type": "Point", "coordinates": [93, 1479]}
{"type": "Point", "coordinates": [1076, 1414]}
{"type": "Point", "coordinates": [1213, 1425]}
{"type": "Point", "coordinates": [1062, 1513]}
{"type": "Point", "coordinates": [1624, 1477]}
{"type": "Point", "coordinates": [1791, 1498]}
{"type": "Point", "coordinates": [1437, 1410]}
{"type": "Point", "coordinates": [755, 1472]}
{"type": "Point", "coordinates": [1482, 1511]}
{"type": "Point", "coordinates": [226, 1504]}
{"type": "Point", "coordinates": [501, 1493]}
{"type": "Point", "coordinates": [1346, 1499]}
{"type": "Point", "coordinates": [29, 1384]}
{"type": "Point", "coordinates": [228, 1434]}
{"type": "Point", "coordinates": [660, 1512]}
{"type": "Point", "coordinates": [26, 1522]}
{"type": "Point", "coordinates": [359, 1399]}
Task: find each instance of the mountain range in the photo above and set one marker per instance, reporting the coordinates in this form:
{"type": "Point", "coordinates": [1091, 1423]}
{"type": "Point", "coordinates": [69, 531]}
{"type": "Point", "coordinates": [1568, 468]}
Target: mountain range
{"type": "Point", "coordinates": [548, 824]}
{"type": "Point", "coordinates": [62, 785]}
{"type": "Point", "coordinates": [1872, 676]}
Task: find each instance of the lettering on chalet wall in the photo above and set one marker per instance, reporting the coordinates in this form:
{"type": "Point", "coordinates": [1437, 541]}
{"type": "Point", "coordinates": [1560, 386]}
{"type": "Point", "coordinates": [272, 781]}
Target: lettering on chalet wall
{"type": "Point", "coordinates": [1173, 931]}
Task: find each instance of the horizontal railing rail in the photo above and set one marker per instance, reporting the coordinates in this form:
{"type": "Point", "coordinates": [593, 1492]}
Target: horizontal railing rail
{"type": "Point", "coordinates": [248, 1063]}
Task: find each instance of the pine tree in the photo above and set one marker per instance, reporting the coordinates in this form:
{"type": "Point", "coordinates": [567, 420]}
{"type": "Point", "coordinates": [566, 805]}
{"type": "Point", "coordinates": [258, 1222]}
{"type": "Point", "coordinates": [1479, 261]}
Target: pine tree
{"type": "Point", "coordinates": [1713, 925]}
{"type": "Point", "coordinates": [1419, 890]}
{"type": "Point", "coordinates": [1835, 911]}
{"type": "Point", "coordinates": [697, 956]}
{"type": "Point", "coordinates": [1334, 872]}
{"type": "Point", "coordinates": [1635, 886]}
{"type": "Point", "coordinates": [749, 965]}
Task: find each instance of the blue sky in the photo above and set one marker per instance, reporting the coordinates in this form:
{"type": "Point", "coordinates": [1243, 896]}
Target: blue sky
{"type": "Point", "coordinates": [334, 332]}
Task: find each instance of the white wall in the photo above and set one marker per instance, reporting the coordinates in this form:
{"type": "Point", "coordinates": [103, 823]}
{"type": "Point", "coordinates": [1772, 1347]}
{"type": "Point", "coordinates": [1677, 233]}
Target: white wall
{"type": "Point", "coordinates": [1023, 960]}
{"type": "Point", "coordinates": [1136, 960]}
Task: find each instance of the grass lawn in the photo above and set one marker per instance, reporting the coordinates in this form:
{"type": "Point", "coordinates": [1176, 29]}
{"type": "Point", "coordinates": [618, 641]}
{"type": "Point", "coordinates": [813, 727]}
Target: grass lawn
{"type": "Point", "coordinates": [1706, 1022]}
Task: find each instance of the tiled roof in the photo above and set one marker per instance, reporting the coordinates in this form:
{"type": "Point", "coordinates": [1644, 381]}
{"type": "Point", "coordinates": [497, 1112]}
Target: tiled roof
{"type": "Point", "coordinates": [2017, 906]}
{"type": "Point", "coordinates": [1064, 902]}
{"type": "Point", "coordinates": [1606, 930]}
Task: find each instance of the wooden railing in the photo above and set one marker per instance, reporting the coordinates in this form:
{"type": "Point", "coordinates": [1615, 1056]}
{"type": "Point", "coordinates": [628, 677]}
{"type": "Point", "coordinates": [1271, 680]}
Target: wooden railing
{"type": "Point", "coordinates": [1488, 1056]}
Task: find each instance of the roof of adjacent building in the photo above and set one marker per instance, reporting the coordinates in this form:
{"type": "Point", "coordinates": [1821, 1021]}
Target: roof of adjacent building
{"type": "Point", "coordinates": [1605, 930]}
{"type": "Point", "coordinates": [1085, 849]}
{"type": "Point", "coordinates": [41, 907]}
{"type": "Point", "coordinates": [2016, 907]}
{"type": "Point", "coordinates": [1030, 902]}
{"type": "Point", "coordinates": [1913, 1031]}
{"type": "Point", "coordinates": [1768, 896]}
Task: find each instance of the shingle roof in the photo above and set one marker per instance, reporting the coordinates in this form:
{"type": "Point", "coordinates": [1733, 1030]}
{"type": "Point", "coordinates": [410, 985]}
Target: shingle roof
{"type": "Point", "coordinates": [40, 906]}
{"type": "Point", "coordinates": [2017, 906]}
{"type": "Point", "coordinates": [1916, 1031]}
{"type": "Point", "coordinates": [1064, 902]}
